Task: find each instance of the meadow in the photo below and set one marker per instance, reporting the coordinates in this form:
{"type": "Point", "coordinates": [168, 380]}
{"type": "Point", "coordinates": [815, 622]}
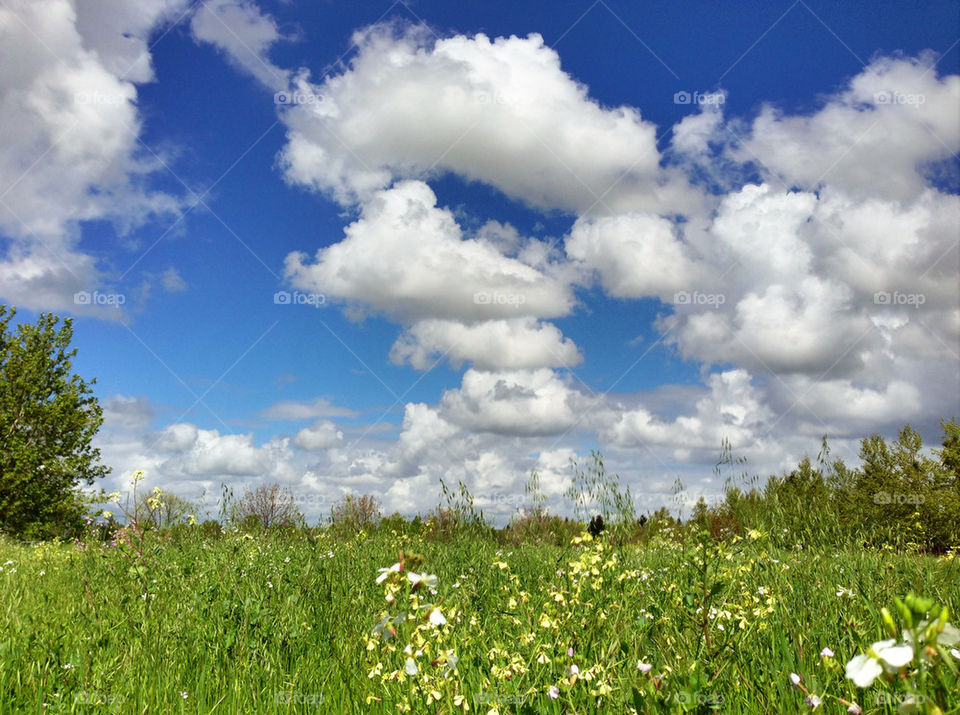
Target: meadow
{"type": "Point", "coordinates": [410, 619]}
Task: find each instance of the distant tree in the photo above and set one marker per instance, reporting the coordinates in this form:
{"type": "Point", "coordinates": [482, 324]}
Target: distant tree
{"type": "Point", "coordinates": [357, 512]}
{"type": "Point", "coordinates": [48, 418]}
{"type": "Point", "coordinates": [166, 510]}
{"type": "Point", "coordinates": [950, 453]}
{"type": "Point", "coordinates": [272, 505]}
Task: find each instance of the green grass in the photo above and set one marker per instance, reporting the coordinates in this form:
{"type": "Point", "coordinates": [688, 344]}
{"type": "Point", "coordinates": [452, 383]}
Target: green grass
{"type": "Point", "coordinates": [280, 624]}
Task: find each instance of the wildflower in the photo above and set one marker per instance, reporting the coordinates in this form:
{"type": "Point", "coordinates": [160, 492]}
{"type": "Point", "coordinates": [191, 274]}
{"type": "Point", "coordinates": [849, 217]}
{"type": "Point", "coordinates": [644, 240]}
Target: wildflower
{"type": "Point", "coordinates": [569, 652]}
{"type": "Point", "coordinates": [865, 668]}
{"type": "Point", "coordinates": [826, 653]}
{"type": "Point", "coordinates": [554, 692]}
{"type": "Point", "coordinates": [410, 667]}
{"type": "Point", "coordinates": [841, 592]}
{"type": "Point", "coordinates": [418, 579]}
{"type": "Point", "coordinates": [436, 617]}
{"type": "Point", "coordinates": [644, 667]}
{"type": "Point", "coordinates": [955, 653]}
{"type": "Point", "coordinates": [384, 572]}
{"type": "Point", "coordinates": [183, 694]}
{"type": "Point", "coordinates": [795, 680]}
{"type": "Point", "coordinates": [813, 701]}
{"type": "Point", "coordinates": [107, 514]}
{"type": "Point", "coordinates": [854, 709]}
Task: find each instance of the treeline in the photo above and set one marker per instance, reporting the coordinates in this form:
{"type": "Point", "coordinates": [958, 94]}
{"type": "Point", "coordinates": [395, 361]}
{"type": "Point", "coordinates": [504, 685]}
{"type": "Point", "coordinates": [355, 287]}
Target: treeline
{"type": "Point", "coordinates": [898, 497]}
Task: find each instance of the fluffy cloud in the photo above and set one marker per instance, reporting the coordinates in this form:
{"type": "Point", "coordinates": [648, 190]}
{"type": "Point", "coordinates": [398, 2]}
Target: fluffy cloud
{"type": "Point", "coordinates": [69, 126]}
{"type": "Point", "coordinates": [635, 255]}
{"type": "Point", "coordinates": [875, 139]}
{"type": "Point", "coordinates": [520, 343]}
{"type": "Point", "coordinates": [244, 34]}
{"type": "Point", "coordinates": [499, 111]}
{"type": "Point", "coordinates": [322, 434]}
{"type": "Point", "coordinates": [407, 258]}
{"type": "Point", "coordinates": [734, 409]}
{"type": "Point", "coordinates": [519, 402]}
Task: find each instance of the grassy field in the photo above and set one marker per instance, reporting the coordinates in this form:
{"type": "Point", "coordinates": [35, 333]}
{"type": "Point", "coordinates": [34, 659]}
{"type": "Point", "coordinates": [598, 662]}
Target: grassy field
{"type": "Point", "coordinates": [300, 623]}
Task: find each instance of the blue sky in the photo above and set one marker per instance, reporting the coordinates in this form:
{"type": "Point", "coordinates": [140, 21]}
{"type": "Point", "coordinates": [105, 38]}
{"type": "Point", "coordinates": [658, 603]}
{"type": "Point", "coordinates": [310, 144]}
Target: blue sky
{"type": "Point", "coordinates": [524, 232]}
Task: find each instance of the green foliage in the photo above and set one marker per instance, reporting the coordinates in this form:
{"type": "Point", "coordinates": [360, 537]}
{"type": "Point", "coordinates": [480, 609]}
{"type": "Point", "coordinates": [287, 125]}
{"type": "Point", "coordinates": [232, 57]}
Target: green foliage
{"type": "Point", "coordinates": [283, 621]}
{"type": "Point", "coordinates": [48, 418]}
{"type": "Point", "coordinates": [900, 497]}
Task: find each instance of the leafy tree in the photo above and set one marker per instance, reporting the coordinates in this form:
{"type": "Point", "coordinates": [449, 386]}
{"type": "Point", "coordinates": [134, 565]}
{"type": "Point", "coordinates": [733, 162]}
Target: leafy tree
{"type": "Point", "coordinates": [48, 418]}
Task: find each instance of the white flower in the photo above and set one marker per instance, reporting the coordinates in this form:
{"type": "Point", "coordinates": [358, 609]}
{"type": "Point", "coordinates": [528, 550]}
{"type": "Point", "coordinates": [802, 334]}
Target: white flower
{"type": "Point", "coordinates": [841, 591]}
{"type": "Point", "coordinates": [826, 653]}
{"type": "Point", "coordinates": [865, 668]}
{"type": "Point", "coordinates": [554, 692]}
{"type": "Point", "coordinates": [854, 709]}
{"type": "Point", "coordinates": [795, 680]}
{"type": "Point", "coordinates": [644, 667]}
{"type": "Point", "coordinates": [418, 579]}
{"type": "Point", "coordinates": [813, 701]}
{"type": "Point", "coordinates": [384, 572]}
{"type": "Point", "coordinates": [573, 670]}
{"type": "Point", "coordinates": [437, 618]}
{"type": "Point", "coordinates": [893, 656]}
{"type": "Point", "coordinates": [410, 667]}
{"type": "Point", "coordinates": [955, 653]}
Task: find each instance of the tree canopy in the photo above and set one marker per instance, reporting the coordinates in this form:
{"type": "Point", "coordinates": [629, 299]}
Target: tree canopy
{"type": "Point", "coordinates": [48, 418]}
